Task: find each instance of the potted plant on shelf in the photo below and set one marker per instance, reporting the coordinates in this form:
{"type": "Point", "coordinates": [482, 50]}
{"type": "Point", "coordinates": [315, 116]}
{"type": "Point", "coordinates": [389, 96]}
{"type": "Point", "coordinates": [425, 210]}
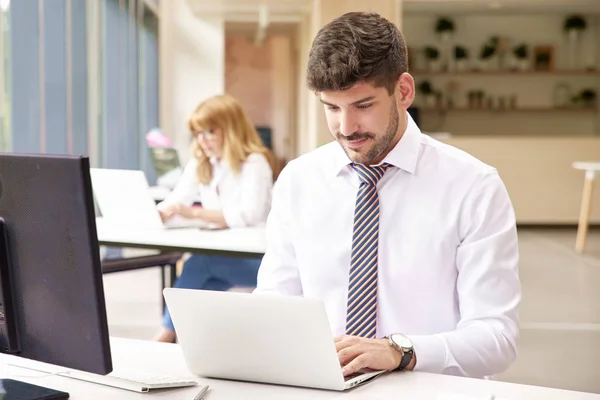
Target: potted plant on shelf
{"type": "Point", "coordinates": [588, 98]}
{"type": "Point", "coordinates": [574, 26]}
{"type": "Point", "coordinates": [487, 53]}
{"type": "Point", "coordinates": [429, 95]}
{"type": "Point", "coordinates": [461, 57]}
{"type": "Point", "coordinates": [432, 55]}
{"type": "Point", "coordinates": [521, 54]}
{"type": "Point", "coordinates": [444, 27]}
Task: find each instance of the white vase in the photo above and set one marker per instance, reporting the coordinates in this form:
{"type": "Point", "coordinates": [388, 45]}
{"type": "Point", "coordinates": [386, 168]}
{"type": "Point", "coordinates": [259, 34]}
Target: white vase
{"type": "Point", "coordinates": [485, 65]}
{"type": "Point", "coordinates": [573, 44]}
{"type": "Point", "coordinates": [523, 64]}
{"type": "Point", "coordinates": [434, 65]}
{"type": "Point", "coordinates": [430, 101]}
{"type": "Point", "coordinates": [446, 51]}
{"type": "Point", "coordinates": [461, 65]}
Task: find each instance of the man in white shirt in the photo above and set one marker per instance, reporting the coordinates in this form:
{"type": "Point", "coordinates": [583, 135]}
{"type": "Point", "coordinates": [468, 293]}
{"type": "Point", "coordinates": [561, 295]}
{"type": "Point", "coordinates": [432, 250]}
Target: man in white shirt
{"type": "Point", "coordinates": [410, 243]}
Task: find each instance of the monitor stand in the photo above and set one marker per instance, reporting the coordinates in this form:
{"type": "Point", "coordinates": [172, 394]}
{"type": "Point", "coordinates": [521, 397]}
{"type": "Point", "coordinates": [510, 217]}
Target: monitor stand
{"type": "Point", "coordinates": [17, 390]}
{"type": "Point", "coordinates": [11, 389]}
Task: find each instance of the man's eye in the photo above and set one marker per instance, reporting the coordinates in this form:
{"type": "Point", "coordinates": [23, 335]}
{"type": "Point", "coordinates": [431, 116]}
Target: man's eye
{"type": "Point", "coordinates": [332, 108]}
{"type": "Point", "coordinates": [363, 106]}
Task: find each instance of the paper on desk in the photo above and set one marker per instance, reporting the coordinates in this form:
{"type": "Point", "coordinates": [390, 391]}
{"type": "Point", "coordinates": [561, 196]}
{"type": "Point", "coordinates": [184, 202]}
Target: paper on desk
{"type": "Point", "coordinates": [459, 396]}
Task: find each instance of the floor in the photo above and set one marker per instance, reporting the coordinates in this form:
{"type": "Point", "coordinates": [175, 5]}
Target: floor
{"type": "Point", "coordinates": [560, 314]}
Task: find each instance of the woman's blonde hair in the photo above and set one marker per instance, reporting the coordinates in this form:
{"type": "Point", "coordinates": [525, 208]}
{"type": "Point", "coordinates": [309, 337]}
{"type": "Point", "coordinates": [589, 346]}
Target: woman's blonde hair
{"type": "Point", "coordinates": [240, 138]}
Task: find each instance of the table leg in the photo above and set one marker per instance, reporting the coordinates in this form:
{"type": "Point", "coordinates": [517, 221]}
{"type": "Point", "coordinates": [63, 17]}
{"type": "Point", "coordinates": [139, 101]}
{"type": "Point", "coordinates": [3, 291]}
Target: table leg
{"type": "Point", "coordinates": [584, 212]}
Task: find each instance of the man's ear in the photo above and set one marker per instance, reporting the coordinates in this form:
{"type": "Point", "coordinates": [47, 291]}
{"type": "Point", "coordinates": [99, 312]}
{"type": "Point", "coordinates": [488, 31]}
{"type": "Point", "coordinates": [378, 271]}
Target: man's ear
{"type": "Point", "coordinates": [405, 86]}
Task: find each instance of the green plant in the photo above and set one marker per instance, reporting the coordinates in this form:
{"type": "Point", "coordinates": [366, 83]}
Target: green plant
{"type": "Point", "coordinates": [444, 25]}
{"type": "Point", "coordinates": [521, 52]}
{"type": "Point", "coordinates": [461, 53]}
{"type": "Point", "coordinates": [588, 96]}
{"type": "Point", "coordinates": [575, 22]}
{"type": "Point", "coordinates": [431, 53]}
{"type": "Point", "coordinates": [425, 87]}
{"type": "Point", "coordinates": [487, 51]}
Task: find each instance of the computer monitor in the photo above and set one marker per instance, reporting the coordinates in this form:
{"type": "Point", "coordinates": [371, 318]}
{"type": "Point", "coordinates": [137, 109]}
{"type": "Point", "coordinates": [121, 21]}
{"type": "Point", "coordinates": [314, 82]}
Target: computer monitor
{"type": "Point", "coordinates": [52, 297]}
{"type": "Point", "coordinates": [265, 134]}
{"type": "Point", "coordinates": [166, 166]}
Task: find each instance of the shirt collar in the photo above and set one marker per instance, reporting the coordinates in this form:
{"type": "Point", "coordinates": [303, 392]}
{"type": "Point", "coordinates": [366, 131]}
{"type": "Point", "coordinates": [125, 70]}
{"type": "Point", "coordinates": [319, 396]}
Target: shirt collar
{"type": "Point", "coordinates": [215, 161]}
{"type": "Point", "coordinates": [404, 155]}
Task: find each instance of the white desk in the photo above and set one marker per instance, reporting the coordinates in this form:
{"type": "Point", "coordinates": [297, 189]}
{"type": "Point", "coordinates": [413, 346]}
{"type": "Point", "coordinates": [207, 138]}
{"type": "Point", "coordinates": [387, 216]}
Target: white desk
{"type": "Point", "coordinates": [167, 359]}
{"type": "Point", "coordinates": [244, 242]}
{"type": "Point", "coordinates": [590, 168]}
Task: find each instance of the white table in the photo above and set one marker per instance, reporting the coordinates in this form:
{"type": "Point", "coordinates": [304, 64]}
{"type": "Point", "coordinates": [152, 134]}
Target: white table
{"type": "Point", "coordinates": [247, 242]}
{"type": "Point", "coordinates": [165, 358]}
{"type": "Point", "coordinates": [590, 168]}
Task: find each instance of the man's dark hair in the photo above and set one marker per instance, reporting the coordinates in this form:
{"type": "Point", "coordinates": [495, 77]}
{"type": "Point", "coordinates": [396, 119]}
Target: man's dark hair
{"type": "Point", "coordinates": [357, 47]}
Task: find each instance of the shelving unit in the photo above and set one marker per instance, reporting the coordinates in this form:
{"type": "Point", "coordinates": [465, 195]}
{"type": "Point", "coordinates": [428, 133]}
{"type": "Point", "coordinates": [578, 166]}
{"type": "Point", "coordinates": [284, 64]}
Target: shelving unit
{"type": "Point", "coordinates": [501, 72]}
{"type": "Point", "coordinates": [587, 110]}
{"type": "Point", "coordinates": [530, 100]}
{"type": "Point", "coordinates": [529, 141]}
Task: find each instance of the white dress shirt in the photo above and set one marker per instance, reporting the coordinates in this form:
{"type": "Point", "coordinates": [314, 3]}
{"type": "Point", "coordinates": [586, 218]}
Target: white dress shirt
{"type": "Point", "coordinates": [243, 198]}
{"type": "Point", "coordinates": [448, 254]}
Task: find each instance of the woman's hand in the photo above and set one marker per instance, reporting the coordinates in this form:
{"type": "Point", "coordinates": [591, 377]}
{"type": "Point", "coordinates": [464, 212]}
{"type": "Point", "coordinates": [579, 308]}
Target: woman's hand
{"type": "Point", "coordinates": [212, 216]}
{"type": "Point", "coordinates": [186, 211]}
{"type": "Point", "coordinates": [179, 209]}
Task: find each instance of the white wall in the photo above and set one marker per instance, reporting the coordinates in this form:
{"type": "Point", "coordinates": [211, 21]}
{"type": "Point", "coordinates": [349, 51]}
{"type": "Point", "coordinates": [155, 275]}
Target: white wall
{"type": "Point", "coordinates": [532, 90]}
{"type": "Point", "coordinates": [192, 67]}
{"type": "Point", "coordinates": [537, 172]}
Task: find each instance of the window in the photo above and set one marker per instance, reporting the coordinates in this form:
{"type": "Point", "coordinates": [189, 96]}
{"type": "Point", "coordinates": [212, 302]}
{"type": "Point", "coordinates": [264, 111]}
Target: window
{"type": "Point", "coordinates": [5, 144]}
{"type": "Point", "coordinates": [129, 70]}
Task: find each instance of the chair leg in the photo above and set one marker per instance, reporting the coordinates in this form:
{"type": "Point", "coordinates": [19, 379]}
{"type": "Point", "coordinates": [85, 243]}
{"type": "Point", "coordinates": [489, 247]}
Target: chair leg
{"type": "Point", "coordinates": [584, 214]}
{"type": "Point", "coordinates": [163, 285]}
{"type": "Point", "coordinates": [173, 270]}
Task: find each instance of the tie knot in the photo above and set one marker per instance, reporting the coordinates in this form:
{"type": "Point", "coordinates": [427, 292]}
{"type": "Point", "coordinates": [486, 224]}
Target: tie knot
{"type": "Point", "coordinates": [370, 174]}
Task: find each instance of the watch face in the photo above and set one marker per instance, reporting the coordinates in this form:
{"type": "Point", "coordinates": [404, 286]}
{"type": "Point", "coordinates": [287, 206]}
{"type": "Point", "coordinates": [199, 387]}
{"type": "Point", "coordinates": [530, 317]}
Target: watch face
{"type": "Point", "coordinates": [402, 340]}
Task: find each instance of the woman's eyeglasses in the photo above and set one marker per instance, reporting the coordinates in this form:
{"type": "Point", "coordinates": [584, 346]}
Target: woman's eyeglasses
{"type": "Point", "coordinates": [209, 134]}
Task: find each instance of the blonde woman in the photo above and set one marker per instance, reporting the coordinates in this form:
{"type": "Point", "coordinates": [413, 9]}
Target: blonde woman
{"type": "Point", "coordinates": [232, 174]}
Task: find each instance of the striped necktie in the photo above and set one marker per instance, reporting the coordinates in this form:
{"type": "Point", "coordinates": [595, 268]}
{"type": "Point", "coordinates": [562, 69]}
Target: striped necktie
{"type": "Point", "coordinates": [361, 316]}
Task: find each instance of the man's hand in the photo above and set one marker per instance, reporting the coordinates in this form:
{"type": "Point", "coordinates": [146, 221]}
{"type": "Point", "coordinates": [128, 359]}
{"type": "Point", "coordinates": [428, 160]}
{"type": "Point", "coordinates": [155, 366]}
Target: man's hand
{"type": "Point", "coordinates": [356, 353]}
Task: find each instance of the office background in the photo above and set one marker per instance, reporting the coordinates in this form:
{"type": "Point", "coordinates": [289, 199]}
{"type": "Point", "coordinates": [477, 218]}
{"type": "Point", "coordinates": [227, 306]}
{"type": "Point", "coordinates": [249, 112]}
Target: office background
{"type": "Point", "coordinates": [94, 76]}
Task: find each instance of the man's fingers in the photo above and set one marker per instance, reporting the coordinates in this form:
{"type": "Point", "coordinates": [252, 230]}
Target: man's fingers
{"type": "Point", "coordinates": [360, 362]}
{"type": "Point", "coordinates": [346, 355]}
{"type": "Point", "coordinates": [339, 338]}
{"type": "Point", "coordinates": [346, 342]}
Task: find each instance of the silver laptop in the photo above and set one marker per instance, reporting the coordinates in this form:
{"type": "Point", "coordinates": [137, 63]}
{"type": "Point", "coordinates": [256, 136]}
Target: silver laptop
{"type": "Point", "coordinates": [258, 338]}
{"type": "Point", "coordinates": [123, 198]}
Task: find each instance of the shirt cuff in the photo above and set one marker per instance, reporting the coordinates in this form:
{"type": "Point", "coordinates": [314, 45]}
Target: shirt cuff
{"type": "Point", "coordinates": [162, 205]}
{"type": "Point", "coordinates": [431, 353]}
{"type": "Point", "coordinates": [233, 218]}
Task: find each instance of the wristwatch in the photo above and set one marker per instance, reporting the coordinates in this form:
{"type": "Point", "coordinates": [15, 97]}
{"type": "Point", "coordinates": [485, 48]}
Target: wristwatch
{"type": "Point", "coordinates": [404, 345]}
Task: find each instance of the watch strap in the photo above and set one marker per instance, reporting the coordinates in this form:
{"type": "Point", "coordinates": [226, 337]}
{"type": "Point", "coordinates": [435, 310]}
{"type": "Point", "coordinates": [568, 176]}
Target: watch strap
{"type": "Point", "coordinates": [406, 358]}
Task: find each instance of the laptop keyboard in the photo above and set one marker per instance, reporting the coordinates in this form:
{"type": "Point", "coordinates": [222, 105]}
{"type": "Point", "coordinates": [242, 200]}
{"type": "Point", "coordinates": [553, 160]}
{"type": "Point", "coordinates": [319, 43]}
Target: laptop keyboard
{"type": "Point", "coordinates": [352, 376]}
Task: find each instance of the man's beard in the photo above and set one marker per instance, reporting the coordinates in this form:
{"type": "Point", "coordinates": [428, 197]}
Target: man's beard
{"type": "Point", "coordinates": [379, 147]}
